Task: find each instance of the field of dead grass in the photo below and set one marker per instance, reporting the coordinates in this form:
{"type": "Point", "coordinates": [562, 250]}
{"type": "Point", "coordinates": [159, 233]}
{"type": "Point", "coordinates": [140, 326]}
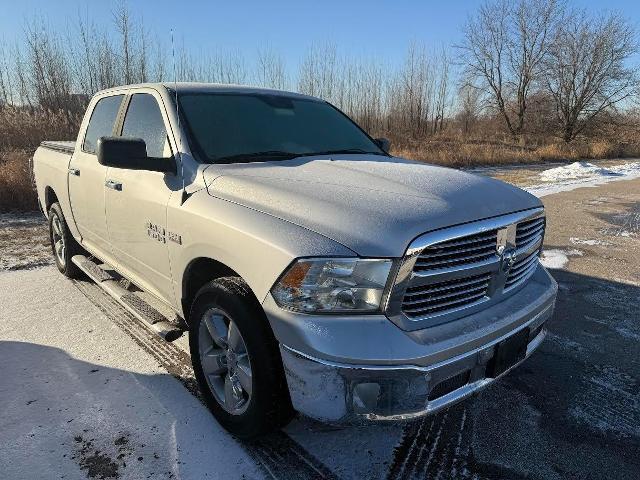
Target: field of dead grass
{"type": "Point", "coordinates": [462, 153]}
{"type": "Point", "coordinates": [22, 130]}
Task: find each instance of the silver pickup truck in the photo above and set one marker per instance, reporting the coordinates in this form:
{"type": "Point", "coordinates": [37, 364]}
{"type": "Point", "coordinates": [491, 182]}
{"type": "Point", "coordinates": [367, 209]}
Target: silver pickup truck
{"type": "Point", "coordinates": [312, 270]}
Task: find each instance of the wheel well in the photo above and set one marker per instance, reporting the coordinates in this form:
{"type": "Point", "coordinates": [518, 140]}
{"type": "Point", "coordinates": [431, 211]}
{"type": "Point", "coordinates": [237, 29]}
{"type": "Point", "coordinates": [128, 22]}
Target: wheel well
{"type": "Point", "coordinates": [50, 198]}
{"type": "Point", "coordinates": [200, 271]}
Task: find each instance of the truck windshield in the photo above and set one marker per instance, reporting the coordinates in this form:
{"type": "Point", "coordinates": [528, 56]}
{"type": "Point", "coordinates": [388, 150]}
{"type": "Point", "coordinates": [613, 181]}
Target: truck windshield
{"type": "Point", "coordinates": [230, 128]}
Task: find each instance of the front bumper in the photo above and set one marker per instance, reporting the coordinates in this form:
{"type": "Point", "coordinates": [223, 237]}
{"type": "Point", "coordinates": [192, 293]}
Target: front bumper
{"type": "Point", "coordinates": [450, 364]}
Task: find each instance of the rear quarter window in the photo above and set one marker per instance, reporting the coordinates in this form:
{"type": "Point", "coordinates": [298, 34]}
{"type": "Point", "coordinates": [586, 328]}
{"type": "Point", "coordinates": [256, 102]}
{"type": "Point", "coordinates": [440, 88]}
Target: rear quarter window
{"type": "Point", "coordinates": [102, 121]}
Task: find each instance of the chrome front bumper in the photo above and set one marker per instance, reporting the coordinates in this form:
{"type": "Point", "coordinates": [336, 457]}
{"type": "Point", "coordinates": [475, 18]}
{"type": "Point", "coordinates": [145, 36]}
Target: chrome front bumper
{"type": "Point", "coordinates": [339, 392]}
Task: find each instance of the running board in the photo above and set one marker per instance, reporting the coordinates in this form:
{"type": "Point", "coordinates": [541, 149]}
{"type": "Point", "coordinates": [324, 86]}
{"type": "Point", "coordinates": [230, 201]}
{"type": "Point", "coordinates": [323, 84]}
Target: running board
{"type": "Point", "coordinates": [130, 301]}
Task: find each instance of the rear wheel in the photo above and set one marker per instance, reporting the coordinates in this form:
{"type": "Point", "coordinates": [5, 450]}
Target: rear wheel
{"type": "Point", "coordinates": [63, 245]}
{"type": "Point", "coordinates": [236, 359]}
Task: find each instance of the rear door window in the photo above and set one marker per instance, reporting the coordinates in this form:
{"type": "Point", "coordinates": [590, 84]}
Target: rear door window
{"type": "Point", "coordinates": [145, 121]}
{"type": "Point", "coordinates": [102, 120]}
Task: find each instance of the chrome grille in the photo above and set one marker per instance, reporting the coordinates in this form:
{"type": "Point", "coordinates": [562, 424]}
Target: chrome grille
{"type": "Point", "coordinates": [461, 251]}
{"type": "Point", "coordinates": [453, 272]}
{"type": "Point", "coordinates": [529, 232]}
{"type": "Point", "coordinates": [441, 296]}
{"type": "Point", "coordinates": [521, 270]}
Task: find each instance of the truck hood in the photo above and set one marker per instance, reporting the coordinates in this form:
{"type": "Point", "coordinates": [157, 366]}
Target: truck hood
{"type": "Point", "coordinates": [372, 204]}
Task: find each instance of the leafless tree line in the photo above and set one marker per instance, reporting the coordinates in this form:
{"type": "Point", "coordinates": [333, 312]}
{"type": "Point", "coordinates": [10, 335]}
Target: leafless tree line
{"type": "Point", "coordinates": [537, 66]}
{"type": "Point", "coordinates": [516, 52]}
{"type": "Point", "coordinates": [59, 71]}
{"type": "Point", "coordinates": [413, 99]}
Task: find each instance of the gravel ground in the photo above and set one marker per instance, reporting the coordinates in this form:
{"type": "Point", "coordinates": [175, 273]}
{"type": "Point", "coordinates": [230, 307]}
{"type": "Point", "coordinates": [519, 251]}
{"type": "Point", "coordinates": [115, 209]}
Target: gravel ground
{"type": "Point", "coordinates": [87, 391]}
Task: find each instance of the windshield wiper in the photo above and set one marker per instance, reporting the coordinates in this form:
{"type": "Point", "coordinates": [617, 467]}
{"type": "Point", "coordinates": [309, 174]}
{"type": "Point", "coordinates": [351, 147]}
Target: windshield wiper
{"type": "Point", "coordinates": [253, 156]}
{"type": "Point", "coordinates": [344, 150]}
{"type": "Point", "coordinates": [282, 155]}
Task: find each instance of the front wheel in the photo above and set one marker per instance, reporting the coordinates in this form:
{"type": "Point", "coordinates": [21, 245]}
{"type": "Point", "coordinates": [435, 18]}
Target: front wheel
{"type": "Point", "coordinates": [63, 245]}
{"type": "Point", "coordinates": [236, 359]}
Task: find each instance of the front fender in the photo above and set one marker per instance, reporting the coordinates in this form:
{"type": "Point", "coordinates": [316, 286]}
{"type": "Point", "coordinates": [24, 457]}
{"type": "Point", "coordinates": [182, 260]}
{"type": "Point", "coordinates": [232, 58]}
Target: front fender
{"type": "Point", "coordinates": [256, 245]}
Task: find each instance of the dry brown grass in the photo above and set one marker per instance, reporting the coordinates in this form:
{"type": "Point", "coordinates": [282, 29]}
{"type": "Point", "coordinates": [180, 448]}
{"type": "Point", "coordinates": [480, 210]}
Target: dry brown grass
{"type": "Point", "coordinates": [473, 153]}
{"type": "Point", "coordinates": [16, 191]}
{"type": "Point", "coordinates": [21, 131]}
{"type": "Point", "coordinates": [25, 128]}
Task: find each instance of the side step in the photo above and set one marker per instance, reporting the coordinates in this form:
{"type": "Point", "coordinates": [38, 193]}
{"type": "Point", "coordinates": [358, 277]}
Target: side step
{"type": "Point", "coordinates": [130, 301]}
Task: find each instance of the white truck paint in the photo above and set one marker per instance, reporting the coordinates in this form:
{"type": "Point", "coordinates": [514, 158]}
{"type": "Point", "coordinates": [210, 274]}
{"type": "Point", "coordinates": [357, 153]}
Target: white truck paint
{"type": "Point", "coordinates": [382, 288]}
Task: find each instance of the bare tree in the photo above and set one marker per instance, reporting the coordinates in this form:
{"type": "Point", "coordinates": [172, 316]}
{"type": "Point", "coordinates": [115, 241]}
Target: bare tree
{"type": "Point", "coordinates": [588, 71]}
{"type": "Point", "coordinates": [504, 49]}
{"type": "Point", "coordinates": [470, 107]}
{"type": "Point", "coordinates": [6, 91]}
{"type": "Point", "coordinates": [409, 94]}
{"type": "Point", "coordinates": [271, 71]}
{"type": "Point", "coordinates": [317, 74]}
{"type": "Point", "coordinates": [441, 93]}
{"type": "Point", "coordinates": [49, 75]}
{"type": "Point", "coordinates": [122, 21]}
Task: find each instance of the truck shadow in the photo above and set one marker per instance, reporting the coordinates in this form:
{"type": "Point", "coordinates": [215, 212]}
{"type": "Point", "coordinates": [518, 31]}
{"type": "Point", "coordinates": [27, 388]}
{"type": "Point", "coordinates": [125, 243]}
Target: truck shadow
{"type": "Point", "coordinates": [61, 416]}
{"type": "Point", "coordinates": [570, 411]}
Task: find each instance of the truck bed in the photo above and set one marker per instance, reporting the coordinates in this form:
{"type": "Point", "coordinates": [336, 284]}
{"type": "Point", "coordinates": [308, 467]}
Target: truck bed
{"type": "Point", "coordinates": [59, 145]}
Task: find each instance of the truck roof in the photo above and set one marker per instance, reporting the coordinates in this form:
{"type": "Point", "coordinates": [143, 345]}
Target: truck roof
{"type": "Point", "coordinates": [197, 87]}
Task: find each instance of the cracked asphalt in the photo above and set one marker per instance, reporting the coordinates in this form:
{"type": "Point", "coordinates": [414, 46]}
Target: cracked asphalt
{"type": "Point", "coordinates": [73, 360]}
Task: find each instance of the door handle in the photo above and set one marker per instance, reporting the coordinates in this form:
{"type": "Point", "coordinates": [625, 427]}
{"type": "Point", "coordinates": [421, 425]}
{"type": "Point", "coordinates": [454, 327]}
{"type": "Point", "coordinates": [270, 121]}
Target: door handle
{"type": "Point", "coordinates": [74, 171]}
{"type": "Point", "coordinates": [113, 185]}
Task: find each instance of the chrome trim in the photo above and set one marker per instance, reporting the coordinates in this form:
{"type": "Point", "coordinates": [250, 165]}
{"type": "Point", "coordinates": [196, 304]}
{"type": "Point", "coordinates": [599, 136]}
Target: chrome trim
{"type": "Point", "coordinates": [339, 379]}
{"type": "Point", "coordinates": [113, 185]}
{"type": "Point", "coordinates": [32, 174]}
{"type": "Point", "coordinates": [507, 255]}
{"type": "Point", "coordinates": [57, 147]}
{"type": "Point", "coordinates": [463, 392]}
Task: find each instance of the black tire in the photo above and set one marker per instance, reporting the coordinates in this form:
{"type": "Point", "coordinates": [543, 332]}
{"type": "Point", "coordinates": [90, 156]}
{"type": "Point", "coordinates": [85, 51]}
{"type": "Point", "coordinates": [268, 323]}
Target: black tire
{"type": "Point", "coordinates": [269, 406]}
{"type": "Point", "coordinates": [58, 230]}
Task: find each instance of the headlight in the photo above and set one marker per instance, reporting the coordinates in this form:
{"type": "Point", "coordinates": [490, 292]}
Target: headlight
{"type": "Point", "coordinates": [333, 285]}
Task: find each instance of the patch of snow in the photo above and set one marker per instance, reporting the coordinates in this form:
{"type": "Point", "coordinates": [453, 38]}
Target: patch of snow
{"type": "Point", "coordinates": [581, 174]}
{"type": "Point", "coordinates": [575, 170]}
{"type": "Point", "coordinates": [590, 242]}
{"type": "Point", "coordinates": [554, 259]}
{"type": "Point", "coordinates": [574, 252]}
{"type": "Point", "coordinates": [80, 399]}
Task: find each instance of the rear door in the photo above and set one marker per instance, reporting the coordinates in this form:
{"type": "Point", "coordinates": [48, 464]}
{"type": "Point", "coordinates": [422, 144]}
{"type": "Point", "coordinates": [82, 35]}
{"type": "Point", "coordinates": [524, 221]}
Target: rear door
{"type": "Point", "coordinates": [87, 176]}
{"type": "Point", "coordinates": [136, 201]}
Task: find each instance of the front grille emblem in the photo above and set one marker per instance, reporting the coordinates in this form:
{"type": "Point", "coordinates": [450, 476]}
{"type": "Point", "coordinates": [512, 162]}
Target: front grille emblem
{"type": "Point", "coordinates": [506, 251]}
{"type": "Point", "coordinates": [507, 259]}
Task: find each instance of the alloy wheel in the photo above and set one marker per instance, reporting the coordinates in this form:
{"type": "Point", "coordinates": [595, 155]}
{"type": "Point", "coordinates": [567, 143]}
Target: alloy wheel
{"type": "Point", "coordinates": [225, 361]}
{"type": "Point", "coordinates": [57, 239]}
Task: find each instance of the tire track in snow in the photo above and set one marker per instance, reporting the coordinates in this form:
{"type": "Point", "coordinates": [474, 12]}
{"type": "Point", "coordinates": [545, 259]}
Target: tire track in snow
{"type": "Point", "coordinates": [278, 455]}
{"type": "Point", "coordinates": [436, 447]}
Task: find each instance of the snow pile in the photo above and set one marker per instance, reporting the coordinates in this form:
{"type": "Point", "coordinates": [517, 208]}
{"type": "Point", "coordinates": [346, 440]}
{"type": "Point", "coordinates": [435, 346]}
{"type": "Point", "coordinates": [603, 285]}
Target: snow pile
{"type": "Point", "coordinates": [555, 259]}
{"type": "Point", "coordinates": [588, 241]}
{"type": "Point", "coordinates": [576, 170]}
{"type": "Point", "coordinates": [581, 174]}
{"type": "Point", "coordinates": [586, 170]}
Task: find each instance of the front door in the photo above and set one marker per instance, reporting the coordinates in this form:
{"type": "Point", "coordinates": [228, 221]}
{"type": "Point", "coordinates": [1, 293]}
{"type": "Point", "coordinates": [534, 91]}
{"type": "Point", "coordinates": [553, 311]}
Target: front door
{"type": "Point", "coordinates": [136, 203]}
{"type": "Point", "coordinates": [87, 177]}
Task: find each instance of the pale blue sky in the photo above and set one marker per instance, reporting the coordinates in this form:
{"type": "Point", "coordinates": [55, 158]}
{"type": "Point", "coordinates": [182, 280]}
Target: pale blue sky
{"type": "Point", "coordinates": [363, 28]}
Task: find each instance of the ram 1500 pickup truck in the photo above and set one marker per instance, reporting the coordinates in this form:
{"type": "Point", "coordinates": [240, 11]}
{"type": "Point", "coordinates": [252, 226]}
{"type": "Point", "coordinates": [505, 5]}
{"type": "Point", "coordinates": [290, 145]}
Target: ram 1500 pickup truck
{"type": "Point", "coordinates": [313, 271]}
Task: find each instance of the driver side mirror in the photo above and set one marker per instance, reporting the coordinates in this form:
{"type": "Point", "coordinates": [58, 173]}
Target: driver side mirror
{"type": "Point", "coordinates": [131, 153]}
{"type": "Point", "coordinates": [383, 143]}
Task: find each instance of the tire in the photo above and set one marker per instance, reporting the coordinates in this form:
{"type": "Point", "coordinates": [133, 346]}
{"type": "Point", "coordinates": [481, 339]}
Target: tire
{"type": "Point", "coordinates": [264, 406]}
{"type": "Point", "coordinates": [63, 245]}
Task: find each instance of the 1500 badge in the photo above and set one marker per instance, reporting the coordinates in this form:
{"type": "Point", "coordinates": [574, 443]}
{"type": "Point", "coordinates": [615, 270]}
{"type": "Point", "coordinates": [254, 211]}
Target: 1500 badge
{"type": "Point", "coordinates": [158, 233]}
